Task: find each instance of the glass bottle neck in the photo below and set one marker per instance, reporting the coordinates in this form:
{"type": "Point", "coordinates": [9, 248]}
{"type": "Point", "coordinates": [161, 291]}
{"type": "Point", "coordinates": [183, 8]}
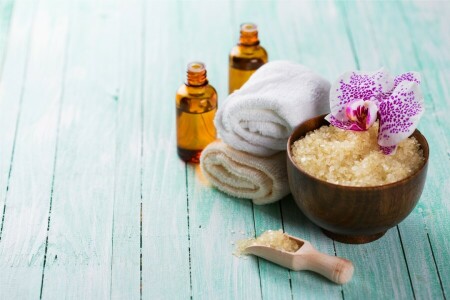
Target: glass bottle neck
{"type": "Point", "coordinates": [249, 35]}
{"type": "Point", "coordinates": [196, 74]}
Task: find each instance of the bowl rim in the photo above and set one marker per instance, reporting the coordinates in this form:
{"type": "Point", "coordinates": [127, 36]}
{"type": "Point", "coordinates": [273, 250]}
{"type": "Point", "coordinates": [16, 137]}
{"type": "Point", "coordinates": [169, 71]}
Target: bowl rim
{"type": "Point", "coordinates": [424, 146]}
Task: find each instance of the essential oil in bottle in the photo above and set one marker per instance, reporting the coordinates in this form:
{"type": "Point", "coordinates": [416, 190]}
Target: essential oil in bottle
{"type": "Point", "coordinates": [196, 103]}
{"type": "Point", "coordinates": [246, 57]}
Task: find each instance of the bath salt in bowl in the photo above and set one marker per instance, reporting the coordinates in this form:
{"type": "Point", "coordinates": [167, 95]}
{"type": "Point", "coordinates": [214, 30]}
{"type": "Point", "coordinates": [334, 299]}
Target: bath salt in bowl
{"type": "Point", "coordinates": [353, 158]}
{"type": "Point", "coordinates": [344, 184]}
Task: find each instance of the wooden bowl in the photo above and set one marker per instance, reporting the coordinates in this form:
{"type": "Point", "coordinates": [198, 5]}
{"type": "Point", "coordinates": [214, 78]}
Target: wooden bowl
{"type": "Point", "coordinates": [353, 215]}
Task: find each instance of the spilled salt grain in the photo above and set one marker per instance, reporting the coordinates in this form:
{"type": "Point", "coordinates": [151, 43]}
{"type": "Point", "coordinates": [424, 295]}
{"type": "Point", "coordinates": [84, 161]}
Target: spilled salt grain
{"type": "Point", "coordinates": [353, 158]}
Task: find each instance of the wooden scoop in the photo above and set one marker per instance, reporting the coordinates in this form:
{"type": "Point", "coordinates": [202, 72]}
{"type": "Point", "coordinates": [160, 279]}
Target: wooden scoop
{"type": "Point", "coordinates": [337, 269]}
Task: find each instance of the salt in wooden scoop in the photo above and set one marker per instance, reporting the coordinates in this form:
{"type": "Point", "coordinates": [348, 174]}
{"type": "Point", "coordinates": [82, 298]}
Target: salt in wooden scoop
{"type": "Point", "coordinates": [297, 254]}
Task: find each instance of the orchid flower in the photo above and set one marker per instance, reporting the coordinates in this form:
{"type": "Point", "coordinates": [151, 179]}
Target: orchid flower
{"type": "Point", "coordinates": [358, 99]}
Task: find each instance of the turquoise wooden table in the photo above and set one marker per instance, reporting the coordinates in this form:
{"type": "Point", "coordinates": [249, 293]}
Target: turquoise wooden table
{"type": "Point", "coordinates": [95, 203]}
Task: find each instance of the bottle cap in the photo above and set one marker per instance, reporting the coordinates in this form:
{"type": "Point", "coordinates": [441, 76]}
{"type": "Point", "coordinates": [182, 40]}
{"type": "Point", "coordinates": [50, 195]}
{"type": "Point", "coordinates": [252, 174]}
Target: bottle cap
{"type": "Point", "coordinates": [196, 67]}
{"type": "Point", "coordinates": [249, 27]}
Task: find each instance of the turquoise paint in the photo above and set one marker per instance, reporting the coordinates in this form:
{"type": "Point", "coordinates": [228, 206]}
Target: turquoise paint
{"type": "Point", "coordinates": [128, 218]}
{"type": "Point", "coordinates": [32, 161]}
{"type": "Point", "coordinates": [6, 10]}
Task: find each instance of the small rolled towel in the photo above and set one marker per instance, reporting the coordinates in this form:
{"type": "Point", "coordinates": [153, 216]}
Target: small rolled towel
{"type": "Point", "coordinates": [239, 174]}
{"type": "Point", "coordinates": [259, 117]}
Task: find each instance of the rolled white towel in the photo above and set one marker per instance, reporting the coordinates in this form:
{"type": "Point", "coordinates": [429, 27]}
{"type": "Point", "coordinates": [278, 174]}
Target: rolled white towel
{"type": "Point", "coordinates": [242, 175]}
{"type": "Point", "coordinates": [259, 117]}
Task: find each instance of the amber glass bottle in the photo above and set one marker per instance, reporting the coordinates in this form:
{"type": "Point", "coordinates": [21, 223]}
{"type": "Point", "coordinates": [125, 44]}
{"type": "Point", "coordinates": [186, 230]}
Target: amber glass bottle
{"type": "Point", "coordinates": [246, 57]}
{"type": "Point", "coordinates": [196, 103]}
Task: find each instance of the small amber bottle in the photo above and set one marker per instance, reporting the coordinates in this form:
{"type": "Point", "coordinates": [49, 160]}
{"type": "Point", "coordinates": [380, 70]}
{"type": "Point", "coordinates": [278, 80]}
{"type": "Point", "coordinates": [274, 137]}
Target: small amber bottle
{"type": "Point", "coordinates": [246, 57]}
{"type": "Point", "coordinates": [196, 103]}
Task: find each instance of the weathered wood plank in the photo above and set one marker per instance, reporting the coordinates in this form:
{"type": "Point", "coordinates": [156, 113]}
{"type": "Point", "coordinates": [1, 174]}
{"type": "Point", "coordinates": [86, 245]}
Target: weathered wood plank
{"type": "Point", "coordinates": [308, 285]}
{"type": "Point", "coordinates": [275, 280]}
{"type": "Point", "coordinates": [375, 20]}
{"type": "Point", "coordinates": [78, 263]}
{"type": "Point", "coordinates": [165, 238]}
{"type": "Point", "coordinates": [313, 34]}
{"type": "Point", "coordinates": [12, 81]}
{"type": "Point", "coordinates": [6, 9]}
{"type": "Point", "coordinates": [120, 190]}
{"type": "Point", "coordinates": [434, 67]}
{"type": "Point", "coordinates": [23, 241]}
{"type": "Point", "coordinates": [216, 220]}
{"type": "Point", "coordinates": [125, 266]}
{"type": "Point", "coordinates": [427, 24]}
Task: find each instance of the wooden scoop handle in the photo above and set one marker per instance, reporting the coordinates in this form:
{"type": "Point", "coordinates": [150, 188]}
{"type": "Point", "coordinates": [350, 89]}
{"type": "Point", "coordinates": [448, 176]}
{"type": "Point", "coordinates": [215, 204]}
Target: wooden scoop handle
{"type": "Point", "coordinates": [337, 269]}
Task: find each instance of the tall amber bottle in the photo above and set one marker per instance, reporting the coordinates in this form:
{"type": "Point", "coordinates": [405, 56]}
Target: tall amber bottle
{"type": "Point", "coordinates": [196, 104]}
{"type": "Point", "coordinates": [246, 57]}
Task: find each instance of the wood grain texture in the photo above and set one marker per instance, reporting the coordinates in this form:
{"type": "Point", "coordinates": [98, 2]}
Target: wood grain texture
{"type": "Point", "coordinates": [78, 263]}
{"type": "Point", "coordinates": [12, 81]}
{"type": "Point", "coordinates": [309, 285]}
{"type": "Point", "coordinates": [165, 237]}
{"type": "Point", "coordinates": [88, 155]}
{"type": "Point", "coordinates": [275, 280]}
{"type": "Point", "coordinates": [126, 238]}
{"type": "Point", "coordinates": [27, 203]}
{"type": "Point", "coordinates": [217, 222]}
{"type": "Point", "coordinates": [430, 43]}
{"type": "Point", "coordinates": [6, 10]}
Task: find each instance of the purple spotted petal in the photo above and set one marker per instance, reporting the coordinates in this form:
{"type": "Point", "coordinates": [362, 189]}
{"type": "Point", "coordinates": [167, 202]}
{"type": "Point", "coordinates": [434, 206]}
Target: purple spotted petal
{"type": "Point", "coordinates": [346, 125]}
{"type": "Point", "coordinates": [410, 76]}
{"type": "Point", "coordinates": [400, 113]}
{"type": "Point", "coordinates": [352, 86]}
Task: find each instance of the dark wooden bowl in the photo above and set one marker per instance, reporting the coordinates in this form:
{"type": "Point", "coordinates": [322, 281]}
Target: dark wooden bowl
{"type": "Point", "coordinates": [353, 215]}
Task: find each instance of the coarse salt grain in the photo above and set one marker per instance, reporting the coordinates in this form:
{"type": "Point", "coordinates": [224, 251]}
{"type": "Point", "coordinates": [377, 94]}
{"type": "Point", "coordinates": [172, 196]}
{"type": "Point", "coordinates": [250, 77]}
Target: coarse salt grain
{"type": "Point", "coordinates": [354, 158]}
{"type": "Point", "coordinates": [271, 238]}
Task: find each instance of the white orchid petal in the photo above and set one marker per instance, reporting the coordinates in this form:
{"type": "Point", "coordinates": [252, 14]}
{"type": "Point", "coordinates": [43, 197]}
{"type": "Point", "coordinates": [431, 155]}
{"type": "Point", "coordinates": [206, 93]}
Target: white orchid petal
{"type": "Point", "coordinates": [356, 85]}
{"type": "Point", "coordinates": [409, 76]}
{"type": "Point", "coordinates": [400, 113]}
